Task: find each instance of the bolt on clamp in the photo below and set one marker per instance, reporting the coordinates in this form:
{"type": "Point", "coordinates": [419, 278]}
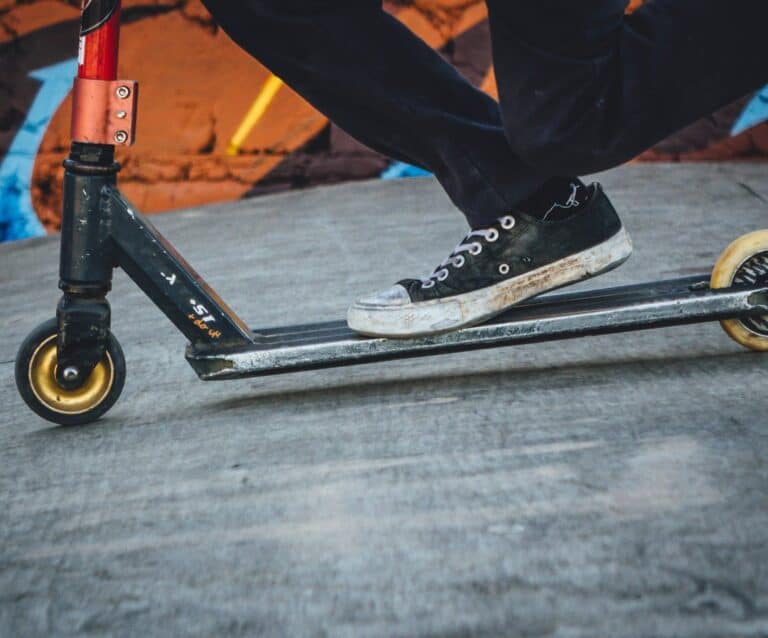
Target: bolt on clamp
{"type": "Point", "coordinates": [104, 112]}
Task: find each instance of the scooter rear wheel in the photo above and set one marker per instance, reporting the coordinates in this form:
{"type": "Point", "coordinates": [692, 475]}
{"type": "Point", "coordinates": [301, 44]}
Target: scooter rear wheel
{"type": "Point", "coordinates": [745, 262]}
{"type": "Point", "coordinates": [36, 365]}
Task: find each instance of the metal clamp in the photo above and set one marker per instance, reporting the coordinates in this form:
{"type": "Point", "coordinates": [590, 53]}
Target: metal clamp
{"type": "Point", "coordinates": [104, 112]}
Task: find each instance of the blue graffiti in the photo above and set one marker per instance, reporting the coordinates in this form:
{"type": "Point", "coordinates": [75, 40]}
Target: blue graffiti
{"type": "Point", "coordinates": [398, 170]}
{"type": "Point", "coordinates": [753, 114]}
{"type": "Point", "coordinates": [18, 219]}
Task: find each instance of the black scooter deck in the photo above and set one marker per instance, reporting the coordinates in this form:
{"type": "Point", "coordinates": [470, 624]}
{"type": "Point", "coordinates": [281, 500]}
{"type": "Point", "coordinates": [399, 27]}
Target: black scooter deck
{"type": "Point", "coordinates": [552, 316]}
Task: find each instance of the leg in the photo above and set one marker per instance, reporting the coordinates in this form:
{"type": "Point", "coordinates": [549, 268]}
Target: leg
{"type": "Point", "coordinates": [592, 89]}
{"type": "Point", "coordinates": [370, 75]}
{"type": "Point", "coordinates": [386, 87]}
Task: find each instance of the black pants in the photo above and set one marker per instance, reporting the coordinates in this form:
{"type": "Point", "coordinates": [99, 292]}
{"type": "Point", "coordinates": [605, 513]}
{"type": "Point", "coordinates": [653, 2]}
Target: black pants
{"type": "Point", "coordinates": [582, 87]}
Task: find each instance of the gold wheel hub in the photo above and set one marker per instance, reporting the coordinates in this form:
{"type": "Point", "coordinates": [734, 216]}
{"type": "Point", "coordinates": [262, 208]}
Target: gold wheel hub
{"type": "Point", "coordinates": [42, 380]}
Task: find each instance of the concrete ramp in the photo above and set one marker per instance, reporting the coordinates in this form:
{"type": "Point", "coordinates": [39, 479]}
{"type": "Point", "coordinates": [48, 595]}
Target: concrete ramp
{"type": "Point", "coordinates": [608, 486]}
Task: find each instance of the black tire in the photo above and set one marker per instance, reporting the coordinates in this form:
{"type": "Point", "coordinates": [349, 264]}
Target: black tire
{"type": "Point", "coordinates": [113, 362]}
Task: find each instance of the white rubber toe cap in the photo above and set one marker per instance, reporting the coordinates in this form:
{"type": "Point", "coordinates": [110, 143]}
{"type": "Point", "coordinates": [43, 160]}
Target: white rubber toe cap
{"type": "Point", "coordinates": [392, 297]}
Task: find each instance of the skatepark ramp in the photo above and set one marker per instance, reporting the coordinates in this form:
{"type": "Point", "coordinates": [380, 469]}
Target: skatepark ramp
{"type": "Point", "coordinates": [612, 485]}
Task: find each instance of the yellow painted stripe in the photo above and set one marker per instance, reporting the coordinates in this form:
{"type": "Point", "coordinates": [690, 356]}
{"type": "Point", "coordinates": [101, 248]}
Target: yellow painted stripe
{"type": "Point", "coordinates": [255, 113]}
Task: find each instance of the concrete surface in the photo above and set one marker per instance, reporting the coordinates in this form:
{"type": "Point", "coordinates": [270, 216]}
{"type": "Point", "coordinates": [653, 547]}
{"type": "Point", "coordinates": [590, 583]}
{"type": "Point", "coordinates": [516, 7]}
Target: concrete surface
{"type": "Point", "coordinates": [610, 486]}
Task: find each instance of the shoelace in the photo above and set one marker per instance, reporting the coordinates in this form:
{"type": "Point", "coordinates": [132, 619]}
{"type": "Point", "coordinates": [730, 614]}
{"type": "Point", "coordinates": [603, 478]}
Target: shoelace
{"type": "Point", "coordinates": [457, 260]}
{"type": "Point", "coordinates": [571, 202]}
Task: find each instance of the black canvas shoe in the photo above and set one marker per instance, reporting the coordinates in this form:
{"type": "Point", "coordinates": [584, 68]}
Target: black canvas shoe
{"type": "Point", "coordinates": [496, 267]}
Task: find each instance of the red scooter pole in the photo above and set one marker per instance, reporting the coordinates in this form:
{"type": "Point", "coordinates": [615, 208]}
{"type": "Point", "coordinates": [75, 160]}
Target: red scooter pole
{"type": "Point", "coordinates": [104, 109]}
{"type": "Point", "coordinates": [99, 40]}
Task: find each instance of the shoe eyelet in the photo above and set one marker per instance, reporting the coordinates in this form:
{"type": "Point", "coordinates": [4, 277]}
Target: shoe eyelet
{"type": "Point", "coordinates": [476, 249]}
{"type": "Point", "coordinates": [492, 235]}
{"type": "Point", "coordinates": [443, 274]}
{"type": "Point", "coordinates": [458, 261]}
{"type": "Point", "coordinates": [504, 269]}
{"type": "Point", "coordinates": [428, 284]}
{"type": "Point", "coordinates": [508, 222]}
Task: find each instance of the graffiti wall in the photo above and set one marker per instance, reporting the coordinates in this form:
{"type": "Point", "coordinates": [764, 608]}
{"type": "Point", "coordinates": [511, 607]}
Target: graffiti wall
{"type": "Point", "coordinates": [208, 132]}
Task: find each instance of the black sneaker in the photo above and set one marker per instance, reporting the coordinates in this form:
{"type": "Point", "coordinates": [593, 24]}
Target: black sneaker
{"type": "Point", "coordinates": [495, 268]}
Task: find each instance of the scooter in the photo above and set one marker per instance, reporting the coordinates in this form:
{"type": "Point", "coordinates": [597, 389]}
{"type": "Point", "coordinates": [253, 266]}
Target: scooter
{"type": "Point", "coordinates": [71, 369]}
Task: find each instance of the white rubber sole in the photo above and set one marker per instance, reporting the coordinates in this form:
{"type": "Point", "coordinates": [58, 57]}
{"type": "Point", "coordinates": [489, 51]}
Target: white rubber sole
{"type": "Point", "coordinates": [460, 311]}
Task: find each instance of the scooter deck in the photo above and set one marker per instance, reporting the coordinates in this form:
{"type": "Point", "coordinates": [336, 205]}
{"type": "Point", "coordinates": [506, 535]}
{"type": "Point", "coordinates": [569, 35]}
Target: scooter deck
{"type": "Point", "coordinates": [552, 316]}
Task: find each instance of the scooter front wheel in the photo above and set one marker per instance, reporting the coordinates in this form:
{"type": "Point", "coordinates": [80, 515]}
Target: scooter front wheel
{"type": "Point", "coordinates": [745, 262]}
{"type": "Point", "coordinates": [36, 367]}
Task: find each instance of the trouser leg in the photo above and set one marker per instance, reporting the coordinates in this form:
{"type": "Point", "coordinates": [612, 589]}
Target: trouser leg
{"type": "Point", "coordinates": [379, 82]}
{"type": "Point", "coordinates": [582, 88]}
